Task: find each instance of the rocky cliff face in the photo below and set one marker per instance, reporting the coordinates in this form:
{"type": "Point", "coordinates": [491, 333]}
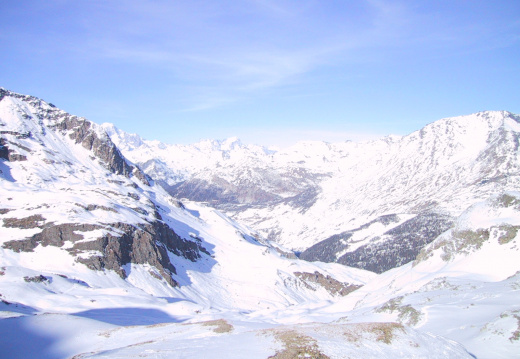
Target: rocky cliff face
{"type": "Point", "coordinates": [79, 129]}
{"type": "Point", "coordinates": [145, 244]}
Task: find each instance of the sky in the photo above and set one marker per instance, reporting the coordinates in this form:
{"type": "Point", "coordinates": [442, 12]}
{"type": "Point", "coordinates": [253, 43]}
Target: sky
{"type": "Point", "coordinates": [269, 72]}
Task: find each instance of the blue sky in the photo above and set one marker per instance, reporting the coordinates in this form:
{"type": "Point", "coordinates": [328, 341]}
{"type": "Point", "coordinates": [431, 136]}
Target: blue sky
{"type": "Point", "coordinates": [269, 72]}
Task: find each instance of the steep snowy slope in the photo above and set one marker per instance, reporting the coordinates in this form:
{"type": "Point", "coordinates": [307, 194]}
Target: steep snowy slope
{"type": "Point", "coordinates": [465, 285]}
{"type": "Point", "coordinates": [73, 204]}
{"type": "Point", "coordinates": [316, 191]}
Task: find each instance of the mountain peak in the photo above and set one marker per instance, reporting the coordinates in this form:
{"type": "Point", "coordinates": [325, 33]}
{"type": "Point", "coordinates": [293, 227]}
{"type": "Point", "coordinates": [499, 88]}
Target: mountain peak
{"type": "Point", "coordinates": [231, 143]}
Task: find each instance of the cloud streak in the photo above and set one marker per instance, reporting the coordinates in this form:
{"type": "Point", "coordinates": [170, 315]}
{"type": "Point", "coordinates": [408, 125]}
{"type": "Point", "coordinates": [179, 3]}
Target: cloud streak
{"type": "Point", "coordinates": [199, 47]}
{"type": "Point", "coordinates": [234, 50]}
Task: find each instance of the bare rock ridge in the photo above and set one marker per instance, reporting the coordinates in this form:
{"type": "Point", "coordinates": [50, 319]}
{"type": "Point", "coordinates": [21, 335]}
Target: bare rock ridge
{"type": "Point", "coordinates": [80, 130]}
{"type": "Point", "coordinates": [146, 244]}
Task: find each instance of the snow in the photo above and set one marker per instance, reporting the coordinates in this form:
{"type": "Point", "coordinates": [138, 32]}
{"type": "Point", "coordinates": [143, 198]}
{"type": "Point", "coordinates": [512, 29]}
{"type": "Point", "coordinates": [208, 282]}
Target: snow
{"type": "Point", "coordinates": [447, 165]}
{"type": "Point", "coordinates": [244, 299]}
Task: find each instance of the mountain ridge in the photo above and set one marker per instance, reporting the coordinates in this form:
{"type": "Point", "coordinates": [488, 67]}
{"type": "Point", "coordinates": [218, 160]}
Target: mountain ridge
{"type": "Point", "coordinates": [444, 167]}
{"type": "Point", "coordinates": [70, 189]}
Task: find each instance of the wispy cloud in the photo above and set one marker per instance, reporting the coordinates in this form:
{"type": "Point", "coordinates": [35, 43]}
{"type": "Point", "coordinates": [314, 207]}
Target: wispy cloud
{"type": "Point", "coordinates": [229, 51]}
{"type": "Point", "coordinates": [196, 43]}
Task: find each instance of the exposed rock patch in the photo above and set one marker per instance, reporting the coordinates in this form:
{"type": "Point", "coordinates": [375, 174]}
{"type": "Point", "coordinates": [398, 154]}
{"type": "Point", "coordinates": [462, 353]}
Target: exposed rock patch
{"type": "Point", "coordinates": [147, 244]}
{"type": "Point", "coordinates": [220, 326]}
{"type": "Point", "coordinates": [385, 332]}
{"type": "Point", "coordinates": [34, 221]}
{"type": "Point", "coordinates": [333, 286]}
{"type": "Point", "coordinates": [93, 207]}
{"type": "Point", "coordinates": [36, 279]}
{"type": "Point", "coordinates": [406, 314]}
{"type": "Point", "coordinates": [9, 154]}
{"type": "Point", "coordinates": [296, 345]}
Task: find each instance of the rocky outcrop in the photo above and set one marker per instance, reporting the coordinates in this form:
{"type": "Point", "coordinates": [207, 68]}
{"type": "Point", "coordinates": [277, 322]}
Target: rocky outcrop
{"type": "Point", "coordinates": [80, 130]}
{"type": "Point", "coordinates": [331, 285]}
{"type": "Point", "coordinates": [4, 150]}
{"type": "Point", "coordinates": [51, 235]}
{"type": "Point", "coordinates": [36, 279]}
{"type": "Point", "coordinates": [34, 221]}
{"type": "Point", "coordinates": [7, 153]}
{"type": "Point", "coordinates": [103, 148]}
{"type": "Point", "coordinates": [151, 243]}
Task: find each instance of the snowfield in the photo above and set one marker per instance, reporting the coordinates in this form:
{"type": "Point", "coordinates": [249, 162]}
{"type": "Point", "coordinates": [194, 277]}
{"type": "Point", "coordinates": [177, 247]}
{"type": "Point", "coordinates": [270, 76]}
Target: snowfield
{"type": "Point", "coordinates": [99, 261]}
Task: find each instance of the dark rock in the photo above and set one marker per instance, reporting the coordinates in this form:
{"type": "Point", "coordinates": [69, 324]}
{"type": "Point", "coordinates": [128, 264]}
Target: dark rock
{"type": "Point", "coordinates": [13, 157]}
{"type": "Point", "coordinates": [332, 285]}
{"type": "Point", "coordinates": [400, 246]}
{"type": "Point", "coordinates": [4, 150]}
{"type": "Point", "coordinates": [93, 207]}
{"type": "Point", "coordinates": [36, 279]}
{"type": "Point", "coordinates": [134, 196]}
{"type": "Point", "coordinates": [9, 154]}
{"type": "Point", "coordinates": [145, 244]}
{"type": "Point", "coordinates": [148, 244]}
{"type": "Point", "coordinates": [54, 235]}
{"type": "Point", "coordinates": [34, 221]}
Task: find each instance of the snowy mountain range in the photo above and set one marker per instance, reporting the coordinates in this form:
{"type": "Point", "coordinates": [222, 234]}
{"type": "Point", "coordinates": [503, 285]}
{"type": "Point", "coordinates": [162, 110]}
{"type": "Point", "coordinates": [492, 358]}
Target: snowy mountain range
{"type": "Point", "coordinates": [313, 196]}
{"type": "Point", "coordinates": [113, 246]}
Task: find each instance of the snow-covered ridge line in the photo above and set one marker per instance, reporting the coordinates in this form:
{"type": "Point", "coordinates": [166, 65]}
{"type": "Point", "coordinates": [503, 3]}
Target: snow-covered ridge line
{"type": "Point", "coordinates": [70, 188]}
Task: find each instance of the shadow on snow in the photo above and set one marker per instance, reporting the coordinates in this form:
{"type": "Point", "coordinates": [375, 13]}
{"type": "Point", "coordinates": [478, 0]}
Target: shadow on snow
{"type": "Point", "coordinates": [128, 316]}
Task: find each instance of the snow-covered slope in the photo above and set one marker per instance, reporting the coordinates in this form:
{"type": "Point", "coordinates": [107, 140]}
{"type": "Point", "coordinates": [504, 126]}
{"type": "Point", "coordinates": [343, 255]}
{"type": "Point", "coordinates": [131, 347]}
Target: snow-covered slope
{"type": "Point", "coordinates": [85, 233]}
{"type": "Point", "coordinates": [64, 336]}
{"type": "Point", "coordinates": [316, 191]}
{"type": "Point", "coordinates": [71, 196]}
{"type": "Point", "coordinates": [465, 285]}
{"type": "Point", "coordinates": [97, 260]}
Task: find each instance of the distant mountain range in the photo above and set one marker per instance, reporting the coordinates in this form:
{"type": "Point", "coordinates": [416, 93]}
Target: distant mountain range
{"type": "Point", "coordinates": [343, 202]}
{"type": "Point", "coordinates": [114, 246]}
